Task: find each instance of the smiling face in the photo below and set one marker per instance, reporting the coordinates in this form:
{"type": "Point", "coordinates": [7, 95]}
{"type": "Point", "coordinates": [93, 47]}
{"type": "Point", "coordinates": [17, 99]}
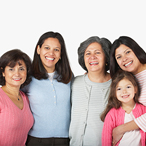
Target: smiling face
{"type": "Point", "coordinates": [125, 91]}
{"type": "Point", "coordinates": [94, 58]}
{"type": "Point", "coordinates": [50, 52]}
{"type": "Point", "coordinates": [127, 60]}
{"type": "Point", "coordinates": [15, 76]}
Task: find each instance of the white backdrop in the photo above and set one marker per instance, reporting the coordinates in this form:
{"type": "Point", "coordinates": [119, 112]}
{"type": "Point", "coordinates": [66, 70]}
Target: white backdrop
{"type": "Point", "coordinates": [23, 22]}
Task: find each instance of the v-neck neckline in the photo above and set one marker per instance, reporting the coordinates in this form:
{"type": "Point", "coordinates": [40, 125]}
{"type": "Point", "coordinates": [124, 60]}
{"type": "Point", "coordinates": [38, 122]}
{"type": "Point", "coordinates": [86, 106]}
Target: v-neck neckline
{"type": "Point", "coordinates": [12, 101]}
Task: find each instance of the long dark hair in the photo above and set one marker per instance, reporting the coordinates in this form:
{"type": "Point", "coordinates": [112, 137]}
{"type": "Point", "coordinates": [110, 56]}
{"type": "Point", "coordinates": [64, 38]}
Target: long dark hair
{"type": "Point", "coordinates": [129, 42]}
{"type": "Point", "coordinates": [11, 58]}
{"type": "Point", "coordinates": [113, 102]}
{"type": "Point", "coordinates": [62, 67]}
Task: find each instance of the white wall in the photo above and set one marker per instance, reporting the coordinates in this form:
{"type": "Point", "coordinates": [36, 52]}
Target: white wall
{"type": "Point", "coordinates": [23, 22]}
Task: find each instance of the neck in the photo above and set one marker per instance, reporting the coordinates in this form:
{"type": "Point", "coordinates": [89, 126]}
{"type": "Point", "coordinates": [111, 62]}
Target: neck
{"type": "Point", "coordinates": [11, 90]}
{"type": "Point", "coordinates": [128, 107]}
{"type": "Point", "coordinates": [99, 77]}
{"type": "Point", "coordinates": [140, 69]}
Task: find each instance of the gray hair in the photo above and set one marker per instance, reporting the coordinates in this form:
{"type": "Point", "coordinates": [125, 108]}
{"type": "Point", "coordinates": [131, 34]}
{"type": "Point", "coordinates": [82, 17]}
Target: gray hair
{"type": "Point", "coordinates": [105, 44]}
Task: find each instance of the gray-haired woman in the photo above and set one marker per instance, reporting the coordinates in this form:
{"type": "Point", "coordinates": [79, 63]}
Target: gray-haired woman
{"type": "Point", "coordinates": [90, 92]}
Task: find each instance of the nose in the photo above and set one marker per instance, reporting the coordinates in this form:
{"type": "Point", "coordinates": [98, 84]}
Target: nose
{"type": "Point", "coordinates": [124, 58]}
{"type": "Point", "coordinates": [17, 72]}
{"type": "Point", "coordinates": [93, 56]}
{"type": "Point", "coordinates": [124, 90]}
{"type": "Point", "coordinates": [51, 52]}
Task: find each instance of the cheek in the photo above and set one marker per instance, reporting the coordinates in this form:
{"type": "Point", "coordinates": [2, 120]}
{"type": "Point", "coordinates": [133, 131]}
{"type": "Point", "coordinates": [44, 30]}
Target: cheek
{"type": "Point", "coordinates": [86, 61]}
{"type": "Point", "coordinates": [119, 63]}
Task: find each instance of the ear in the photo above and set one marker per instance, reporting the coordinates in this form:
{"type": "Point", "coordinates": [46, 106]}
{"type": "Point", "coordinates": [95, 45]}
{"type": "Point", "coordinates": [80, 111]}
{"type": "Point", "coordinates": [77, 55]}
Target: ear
{"type": "Point", "coordinates": [135, 90]}
{"type": "Point", "coordinates": [3, 74]}
{"type": "Point", "coordinates": [38, 50]}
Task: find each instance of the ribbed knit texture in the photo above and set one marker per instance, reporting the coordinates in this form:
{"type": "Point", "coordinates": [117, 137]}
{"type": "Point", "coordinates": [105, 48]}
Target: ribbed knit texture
{"type": "Point", "coordinates": [114, 118]}
{"type": "Point", "coordinates": [14, 122]}
{"type": "Point", "coordinates": [88, 101]}
{"type": "Point", "coordinates": [141, 77]}
{"type": "Point", "coordinates": [50, 105]}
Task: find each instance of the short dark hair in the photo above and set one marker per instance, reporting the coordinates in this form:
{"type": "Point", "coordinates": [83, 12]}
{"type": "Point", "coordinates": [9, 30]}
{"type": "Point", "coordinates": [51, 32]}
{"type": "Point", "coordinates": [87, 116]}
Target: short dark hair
{"type": "Point", "coordinates": [129, 42]}
{"type": "Point", "coordinates": [113, 102]}
{"type": "Point", "coordinates": [11, 58]}
{"type": "Point", "coordinates": [62, 66]}
{"type": "Point", "coordinates": [105, 44]}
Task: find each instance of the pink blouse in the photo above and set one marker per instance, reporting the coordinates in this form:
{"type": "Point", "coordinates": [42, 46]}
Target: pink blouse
{"type": "Point", "coordinates": [14, 122]}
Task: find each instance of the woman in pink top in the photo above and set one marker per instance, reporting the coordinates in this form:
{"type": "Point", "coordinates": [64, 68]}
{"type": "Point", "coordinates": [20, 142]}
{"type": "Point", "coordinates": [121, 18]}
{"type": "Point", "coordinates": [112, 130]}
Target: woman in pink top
{"type": "Point", "coordinates": [123, 106]}
{"type": "Point", "coordinates": [129, 56]}
{"type": "Point", "coordinates": [15, 116]}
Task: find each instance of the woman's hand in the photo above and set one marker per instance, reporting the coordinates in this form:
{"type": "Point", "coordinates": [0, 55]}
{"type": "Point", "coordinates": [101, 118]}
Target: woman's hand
{"type": "Point", "coordinates": [117, 134]}
{"type": "Point", "coordinates": [119, 131]}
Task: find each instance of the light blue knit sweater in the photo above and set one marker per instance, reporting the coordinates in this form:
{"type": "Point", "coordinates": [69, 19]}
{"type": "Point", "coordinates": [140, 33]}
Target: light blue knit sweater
{"type": "Point", "coordinates": [50, 106]}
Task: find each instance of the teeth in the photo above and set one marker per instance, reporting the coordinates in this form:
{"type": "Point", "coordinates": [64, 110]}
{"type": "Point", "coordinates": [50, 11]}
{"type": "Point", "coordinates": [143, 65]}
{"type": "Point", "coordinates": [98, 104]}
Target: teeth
{"type": "Point", "coordinates": [94, 63]}
{"type": "Point", "coordinates": [125, 96]}
{"type": "Point", "coordinates": [16, 79]}
{"type": "Point", "coordinates": [128, 63]}
{"type": "Point", "coordinates": [49, 58]}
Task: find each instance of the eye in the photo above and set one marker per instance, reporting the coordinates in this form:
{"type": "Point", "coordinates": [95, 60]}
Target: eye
{"type": "Point", "coordinates": [46, 47]}
{"type": "Point", "coordinates": [119, 89]}
{"type": "Point", "coordinates": [98, 52]}
{"type": "Point", "coordinates": [88, 53]}
{"type": "Point", "coordinates": [21, 68]}
{"type": "Point", "coordinates": [128, 52]}
{"type": "Point", "coordinates": [11, 69]}
{"type": "Point", "coordinates": [118, 57]}
{"type": "Point", "coordinates": [128, 86]}
{"type": "Point", "coordinates": [57, 50]}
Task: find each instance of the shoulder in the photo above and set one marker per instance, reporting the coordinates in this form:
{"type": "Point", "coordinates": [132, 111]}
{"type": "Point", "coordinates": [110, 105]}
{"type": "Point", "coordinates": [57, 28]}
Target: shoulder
{"type": "Point", "coordinates": [114, 112]}
{"type": "Point", "coordinates": [140, 107]}
{"type": "Point", "coordinates": [78, 79]}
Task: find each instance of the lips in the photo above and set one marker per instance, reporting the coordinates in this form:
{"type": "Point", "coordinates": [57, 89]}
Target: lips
{"type": "Point", "coordinates": [128, 63]}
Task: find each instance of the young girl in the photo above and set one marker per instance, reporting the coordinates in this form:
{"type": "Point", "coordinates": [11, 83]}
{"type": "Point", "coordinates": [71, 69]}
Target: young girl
{"type": "Point", "coordinates": [122, 107]}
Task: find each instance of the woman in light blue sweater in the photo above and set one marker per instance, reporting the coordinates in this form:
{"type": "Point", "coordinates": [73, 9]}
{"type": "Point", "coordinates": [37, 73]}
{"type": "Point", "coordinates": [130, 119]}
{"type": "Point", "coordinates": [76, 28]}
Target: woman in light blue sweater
{"type": "Point", "coordinates": [49, 92]}
{"type": "Point", "coordinates": [90, 93]}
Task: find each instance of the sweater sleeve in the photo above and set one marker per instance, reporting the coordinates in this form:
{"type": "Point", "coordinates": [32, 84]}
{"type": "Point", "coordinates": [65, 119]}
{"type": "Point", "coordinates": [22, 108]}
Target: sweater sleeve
{"type": "Point", "coordinates": [141, 122]}
{"type": "Point", "coordinates": [108, 127]}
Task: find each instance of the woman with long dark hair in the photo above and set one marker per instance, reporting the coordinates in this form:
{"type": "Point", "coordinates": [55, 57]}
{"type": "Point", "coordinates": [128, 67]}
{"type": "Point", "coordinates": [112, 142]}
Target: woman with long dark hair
{"type": "Point", "coordinates": [129, 56]}
{"type": "Point", "coordinates": [49, 92]}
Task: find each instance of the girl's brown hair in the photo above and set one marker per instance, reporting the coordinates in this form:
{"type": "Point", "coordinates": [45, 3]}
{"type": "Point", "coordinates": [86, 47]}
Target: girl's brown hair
{"type": "Point", "coordinates": [113, 102]}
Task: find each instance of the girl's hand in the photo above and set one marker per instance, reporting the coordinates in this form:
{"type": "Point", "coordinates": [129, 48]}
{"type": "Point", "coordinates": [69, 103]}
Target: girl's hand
{"type": "Point", "coordinates": [117, 134]}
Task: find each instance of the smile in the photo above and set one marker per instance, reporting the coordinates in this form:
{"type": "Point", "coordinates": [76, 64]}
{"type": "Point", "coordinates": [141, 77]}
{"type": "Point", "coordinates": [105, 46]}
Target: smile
{"type": "Point", "coordinates": [128, 63]}
{"type": "Point", "coordinates": [125, 96]}
{"type": "Point", "coordinates": [93, 63]}
{"type": "Point", "coordinates": [49, 58]}
{"type": "Point", "coordinates": [17, 79]}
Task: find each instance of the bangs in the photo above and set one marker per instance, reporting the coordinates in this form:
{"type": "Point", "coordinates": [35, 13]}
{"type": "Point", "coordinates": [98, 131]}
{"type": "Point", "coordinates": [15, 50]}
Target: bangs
{"type": "Point", "coordinates": [14, 62]}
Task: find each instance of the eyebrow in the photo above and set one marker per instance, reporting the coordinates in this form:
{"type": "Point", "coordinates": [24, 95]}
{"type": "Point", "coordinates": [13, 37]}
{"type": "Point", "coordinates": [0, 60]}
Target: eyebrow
{"type": "Point", "coordinates": [54, 47]}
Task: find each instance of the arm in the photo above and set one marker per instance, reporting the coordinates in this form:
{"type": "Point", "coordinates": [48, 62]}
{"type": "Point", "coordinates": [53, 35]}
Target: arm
{"type": "Point", "coordinates": [119, 131]}
{"type": "Point", "coordinates": [138, 123]}
{"type": "Point", "coordinates": [107, 130]}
